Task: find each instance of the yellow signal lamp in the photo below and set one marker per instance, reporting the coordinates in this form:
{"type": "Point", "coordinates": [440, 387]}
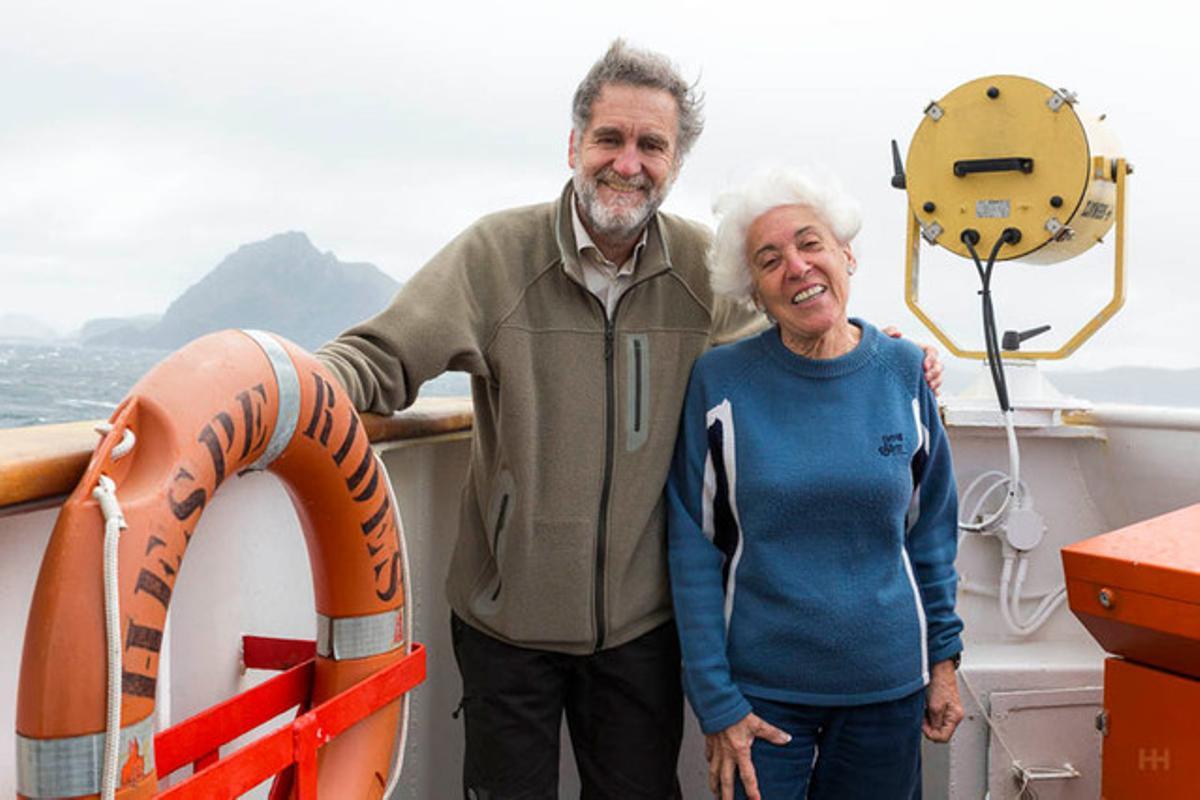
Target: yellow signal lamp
{"type": "Point", "coordinates": [1006, 153]}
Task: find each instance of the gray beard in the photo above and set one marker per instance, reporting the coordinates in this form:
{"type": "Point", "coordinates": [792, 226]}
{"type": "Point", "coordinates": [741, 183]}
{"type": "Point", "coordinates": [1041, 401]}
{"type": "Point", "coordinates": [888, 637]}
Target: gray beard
{"type": "Point", "coordinates": [605, 221]}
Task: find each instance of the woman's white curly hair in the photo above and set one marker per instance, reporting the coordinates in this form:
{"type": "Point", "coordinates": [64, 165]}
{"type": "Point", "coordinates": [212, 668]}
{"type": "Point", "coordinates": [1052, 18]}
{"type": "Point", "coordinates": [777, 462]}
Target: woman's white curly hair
{"type": "Point", "coordinates": [739, 207]}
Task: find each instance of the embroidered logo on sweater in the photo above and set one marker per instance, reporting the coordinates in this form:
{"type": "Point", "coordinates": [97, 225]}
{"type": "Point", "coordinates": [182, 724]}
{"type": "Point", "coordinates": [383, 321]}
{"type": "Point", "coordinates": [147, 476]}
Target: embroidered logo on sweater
{"type": "Point", "coordinates": [893, 445]}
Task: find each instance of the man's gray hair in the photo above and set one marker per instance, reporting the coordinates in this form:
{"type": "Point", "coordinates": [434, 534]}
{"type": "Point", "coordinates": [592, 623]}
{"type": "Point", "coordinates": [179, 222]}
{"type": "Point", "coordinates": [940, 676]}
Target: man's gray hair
{"type": "Point", "coordinates": [738, 208]}
{"type": "Point", "coordinates": [623, 64]}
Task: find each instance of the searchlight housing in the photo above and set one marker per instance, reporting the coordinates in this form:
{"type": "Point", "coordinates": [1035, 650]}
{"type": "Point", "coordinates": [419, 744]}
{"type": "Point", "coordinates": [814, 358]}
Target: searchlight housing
{"type": "Point", "coordinates": [1009, 166]}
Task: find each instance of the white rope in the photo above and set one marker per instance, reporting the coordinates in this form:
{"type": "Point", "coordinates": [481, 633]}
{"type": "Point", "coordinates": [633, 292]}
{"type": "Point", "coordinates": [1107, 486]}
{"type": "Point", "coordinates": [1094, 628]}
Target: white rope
{"type": "Point", "coordinates": [1024, 774]}
{"type": "Point", "coordinates": [114, 522]}
{"type": "Point", "coordinates": [398, 758]}
{"type": "Point", "coordinates": [122, 448]}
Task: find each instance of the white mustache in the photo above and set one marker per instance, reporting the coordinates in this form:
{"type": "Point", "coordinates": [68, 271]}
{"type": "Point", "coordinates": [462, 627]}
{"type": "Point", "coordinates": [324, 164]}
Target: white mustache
{"type": "Point", "coordinates": [609, 176]}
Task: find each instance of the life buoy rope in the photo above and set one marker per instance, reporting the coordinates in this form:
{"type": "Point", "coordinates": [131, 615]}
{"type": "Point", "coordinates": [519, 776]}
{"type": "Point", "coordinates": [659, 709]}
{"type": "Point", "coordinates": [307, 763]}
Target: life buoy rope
{"type": "Point", "coordinates": [227, 403]}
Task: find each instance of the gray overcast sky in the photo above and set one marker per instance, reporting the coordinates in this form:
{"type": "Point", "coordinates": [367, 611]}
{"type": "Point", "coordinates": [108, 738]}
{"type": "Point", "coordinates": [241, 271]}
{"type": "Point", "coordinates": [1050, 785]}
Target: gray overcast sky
{"type": "Point", "coordinates": [141, 142]}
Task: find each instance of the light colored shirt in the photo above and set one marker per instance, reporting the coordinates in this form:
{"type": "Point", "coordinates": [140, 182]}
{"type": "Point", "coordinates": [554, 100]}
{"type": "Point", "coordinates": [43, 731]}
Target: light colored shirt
{"type": "Point", "coordinates": [603, 278]}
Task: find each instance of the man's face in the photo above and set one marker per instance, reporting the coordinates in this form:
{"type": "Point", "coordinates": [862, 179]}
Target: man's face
{"type": "Point", "coordinates": [626, 160]}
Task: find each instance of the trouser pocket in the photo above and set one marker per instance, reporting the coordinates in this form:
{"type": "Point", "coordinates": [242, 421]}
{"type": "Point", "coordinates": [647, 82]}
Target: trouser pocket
{"type": "Point", "coordinates": [512, 706]}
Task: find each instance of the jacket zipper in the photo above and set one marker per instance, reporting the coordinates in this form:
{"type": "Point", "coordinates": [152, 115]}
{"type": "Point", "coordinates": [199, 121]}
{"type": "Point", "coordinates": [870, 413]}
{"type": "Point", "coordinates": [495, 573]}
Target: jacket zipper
{"type": "Point", "coordinates": [609, 424]}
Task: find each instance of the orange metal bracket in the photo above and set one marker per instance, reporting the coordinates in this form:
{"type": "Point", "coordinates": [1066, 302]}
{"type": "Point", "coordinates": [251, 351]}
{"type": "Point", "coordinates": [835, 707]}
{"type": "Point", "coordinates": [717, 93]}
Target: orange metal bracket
{"type": "Point", "coordinates": [197, 740]}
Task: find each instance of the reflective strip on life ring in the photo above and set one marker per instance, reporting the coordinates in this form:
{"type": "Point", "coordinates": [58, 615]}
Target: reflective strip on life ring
{"type": "Point", "coordinates": [289, 397]}
{"type": "Point", "coordinates": [70, 767]}
{"type": "Point", "coordinates": [359, 637]}
{"type": "Point", "coordinates": [224, 404]}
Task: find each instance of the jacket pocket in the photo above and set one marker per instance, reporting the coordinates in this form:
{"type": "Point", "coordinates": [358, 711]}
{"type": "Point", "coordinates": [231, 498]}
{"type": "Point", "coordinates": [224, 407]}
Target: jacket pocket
{"type": "Point", "coordinates": [499, 512]}
{"type": "Point", "coordinates": [637, 390]}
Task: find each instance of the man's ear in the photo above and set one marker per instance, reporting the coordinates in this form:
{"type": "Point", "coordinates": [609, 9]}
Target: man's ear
{"type": "Point", "coordinates": [571, 149]}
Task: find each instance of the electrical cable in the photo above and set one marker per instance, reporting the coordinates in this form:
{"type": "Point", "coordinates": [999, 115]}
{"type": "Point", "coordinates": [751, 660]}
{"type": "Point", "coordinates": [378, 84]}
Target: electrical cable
{"type": "Point", "coordinates": [1010, 585]}
{"type": "Point", "coordinates": [970, 238]}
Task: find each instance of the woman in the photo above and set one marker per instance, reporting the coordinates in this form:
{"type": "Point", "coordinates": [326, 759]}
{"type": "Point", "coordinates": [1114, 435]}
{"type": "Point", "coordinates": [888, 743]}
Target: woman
{"type": "Point", "coordinates": [812, 522]}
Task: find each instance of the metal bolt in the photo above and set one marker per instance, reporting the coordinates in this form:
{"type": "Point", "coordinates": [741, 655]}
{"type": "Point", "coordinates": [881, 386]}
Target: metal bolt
{"type": "Point", "coordinates": [1106, 598]}
{"type": "Point", "coordinates": [1056, 201]}
{"type": "Point", "coordinates": [1102, 723]}
{"type": "Point", "coordinates": [993, 92]}
{"type": "Point", "coordinates": [929, 207]}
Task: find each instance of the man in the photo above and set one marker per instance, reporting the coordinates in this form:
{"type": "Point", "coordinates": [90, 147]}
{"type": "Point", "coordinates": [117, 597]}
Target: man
{"type": "Point", "coordinates": [578, 321]}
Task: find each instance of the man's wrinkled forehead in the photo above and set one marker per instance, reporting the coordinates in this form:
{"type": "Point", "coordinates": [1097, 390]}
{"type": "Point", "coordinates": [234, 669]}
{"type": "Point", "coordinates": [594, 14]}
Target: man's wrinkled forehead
{"type": "Point", "coordinates": [621, 107]}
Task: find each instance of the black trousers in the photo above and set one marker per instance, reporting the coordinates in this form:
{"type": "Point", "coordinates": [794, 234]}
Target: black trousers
{"type": "Point", "coordinates": [624, 710]}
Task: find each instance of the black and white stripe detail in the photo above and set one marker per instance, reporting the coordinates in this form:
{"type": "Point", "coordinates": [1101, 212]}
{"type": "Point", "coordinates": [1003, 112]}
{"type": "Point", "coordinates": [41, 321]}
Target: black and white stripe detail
{"type": "Point", "coordinates": [721, 523]}
{"type": "Point", "coordinates": [920, 457]}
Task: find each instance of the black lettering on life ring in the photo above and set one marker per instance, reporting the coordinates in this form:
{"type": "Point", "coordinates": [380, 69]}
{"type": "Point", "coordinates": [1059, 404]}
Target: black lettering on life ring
{"type": "Point", "coordinates": [154, 586]}
{"type": "Point", "coordinates": [320, 413]}
{"type": "Point", "coordinates": [393, 577]}
{"type": "Point", "coordinates": [226, 423]}
{"type": "Point", "coordinates": [189, 505]}
{"type": "Point", "coordinates": [251, 418]}
{"type": "Point", "coordinates": [137, 685]}
{"type": "Point", "coordinates": [369, 490]}
{"type": "Point", "coordinates": [361, 472]}
{"type": "Point", "coordinates": [377, 517]}
{"type": "Point", "coordinates": [243, 399]}
{"type": "Point", "coordinates": [143, 637]}
{"type": "Point", "coordinates": [258, 426]}
{"type": "Point", "coordinates": [344, 450]}
{"type": "Point", "coordinates": [209, 438]}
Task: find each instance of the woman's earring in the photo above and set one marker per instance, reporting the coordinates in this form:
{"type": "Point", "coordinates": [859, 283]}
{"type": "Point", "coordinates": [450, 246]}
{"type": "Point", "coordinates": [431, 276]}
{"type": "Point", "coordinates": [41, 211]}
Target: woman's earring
{"type": "Point", "coordinates": [851, 267]}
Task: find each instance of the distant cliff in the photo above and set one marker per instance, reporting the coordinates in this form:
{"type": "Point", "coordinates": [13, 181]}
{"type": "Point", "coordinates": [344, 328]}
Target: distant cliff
{"type": "Point", "coordinates": [23, 327]}
{"type": "Point", "coordinates": [282, 284]}
{"type": "Point", "coordinates": [95, 331]}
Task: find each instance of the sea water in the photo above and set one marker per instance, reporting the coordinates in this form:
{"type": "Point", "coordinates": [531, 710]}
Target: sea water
{"type": "Point", "coordinates": [46, 383]}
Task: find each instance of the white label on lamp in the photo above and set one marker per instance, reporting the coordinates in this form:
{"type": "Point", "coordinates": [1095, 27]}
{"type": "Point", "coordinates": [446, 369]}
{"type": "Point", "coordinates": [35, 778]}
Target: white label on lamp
{"type": "Point", "coordinates": [992, 209]}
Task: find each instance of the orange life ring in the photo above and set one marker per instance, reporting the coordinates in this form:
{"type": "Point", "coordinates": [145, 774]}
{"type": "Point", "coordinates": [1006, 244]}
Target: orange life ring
{"type": "Point", "coordinates": [227, 402]}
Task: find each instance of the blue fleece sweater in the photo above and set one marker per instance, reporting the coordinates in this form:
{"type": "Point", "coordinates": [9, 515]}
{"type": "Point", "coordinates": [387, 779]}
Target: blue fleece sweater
{"type": "Point", "coordinates": [813, 517]}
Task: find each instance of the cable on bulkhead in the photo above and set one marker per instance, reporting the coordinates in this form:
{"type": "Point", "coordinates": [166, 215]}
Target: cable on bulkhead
{"type": "Point", "coordinates": [1016, 494]}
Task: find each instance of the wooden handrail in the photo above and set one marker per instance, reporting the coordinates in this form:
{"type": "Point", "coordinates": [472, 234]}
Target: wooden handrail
{"type": "Point", "coordinates": [46, 461]}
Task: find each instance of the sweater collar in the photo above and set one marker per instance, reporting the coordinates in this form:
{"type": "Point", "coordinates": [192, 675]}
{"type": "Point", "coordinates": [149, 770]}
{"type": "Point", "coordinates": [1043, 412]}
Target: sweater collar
{"type": "Point", "coordinates": [857, 358]}
{"type": "Point", "coordinates": [654, 258]}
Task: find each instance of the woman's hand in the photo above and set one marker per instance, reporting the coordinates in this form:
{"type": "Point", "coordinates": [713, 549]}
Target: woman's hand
{"type": "Point", "coordinates": [933, 359]}
{"type": "Point", "coordinates": [729, 751]}
{"type": "Point", "coordinates": [943, 711]}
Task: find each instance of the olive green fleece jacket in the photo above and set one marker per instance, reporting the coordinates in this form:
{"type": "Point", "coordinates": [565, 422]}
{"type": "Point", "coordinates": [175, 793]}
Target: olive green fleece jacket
{"type": "Point", "coordinates": [562, 538]}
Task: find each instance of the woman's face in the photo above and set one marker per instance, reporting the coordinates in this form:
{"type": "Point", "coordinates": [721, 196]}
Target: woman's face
{"type": "Point", "coordinates": [801, 272]}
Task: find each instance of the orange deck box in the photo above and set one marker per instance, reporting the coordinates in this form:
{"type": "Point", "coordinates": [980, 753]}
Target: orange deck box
{"type": "Point", "coordinates": [1151, 747]}
{"type": "Point", "coordinates": [1137, 590]}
